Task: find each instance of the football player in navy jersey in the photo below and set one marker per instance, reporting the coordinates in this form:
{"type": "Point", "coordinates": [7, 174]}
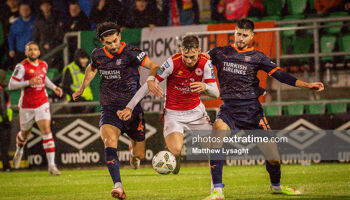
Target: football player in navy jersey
{"type": "Point", "coordinates": [118, 65]}
{"type": "Point", "coordinates": [237, 66]}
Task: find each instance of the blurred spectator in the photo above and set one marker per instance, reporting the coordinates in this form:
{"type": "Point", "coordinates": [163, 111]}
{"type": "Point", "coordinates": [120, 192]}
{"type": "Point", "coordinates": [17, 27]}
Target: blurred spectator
{"type": "Point", "coordinates": [236, 9]}
{"type": "Point", "coordinates": [325, 6]}
{"type": "Point", "coordinates": [143, 15]}
{"type": "Point", "coordinates": [78, 21]}
{"type": "Point", "coordinates": [61, 8]}
{"type": "Point", "coordinates": [257, 8]}
{"type": "Point", "coordinates": [180, 12]}
{"type": "Point", "coordinates": [73, 75]}
{"type": "Point", "coordinates": [217, 8]}
{"type": "Point", "coordinates": [9, 14]}
{"type": "Point", "coordinates": [107, 10]}
{"type": "Point", "coordinates": [3, 48]}
{"type": "Point", "coordinates": [47, 30]}
{"type": "Point", "coordinates": [346, 4]}
{"type": "Point", "coordinates": [21, 32]}
{"type": "Point", "coordinates": [86, 6]}
{"type": "Point", "coordinates": [5, 127]}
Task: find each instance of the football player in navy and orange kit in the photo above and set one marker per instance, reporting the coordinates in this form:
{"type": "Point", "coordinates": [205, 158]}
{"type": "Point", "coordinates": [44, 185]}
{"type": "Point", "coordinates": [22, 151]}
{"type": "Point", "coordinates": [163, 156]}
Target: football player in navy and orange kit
{"type": "Point", "coordinates": [237, 66]}
{"type": "Point", "coordinates": [118, 65]}
{"type": "Point", "coordinates": [187, 73]}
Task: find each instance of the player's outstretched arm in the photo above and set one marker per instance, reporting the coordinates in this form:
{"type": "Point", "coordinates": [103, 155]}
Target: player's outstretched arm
{"type": "Point", "coordinates": [153, 87]}
{"type": "Point", "coordinates": [127, 112]}
{"type": "Point", "coordinates": [89, 76]}
{"type": "Point", "coordinates": [288, 79]}
{"type": "Point", "coordinates": [318, 86]}
{"type": "Point", "coordinates": [48, 83]}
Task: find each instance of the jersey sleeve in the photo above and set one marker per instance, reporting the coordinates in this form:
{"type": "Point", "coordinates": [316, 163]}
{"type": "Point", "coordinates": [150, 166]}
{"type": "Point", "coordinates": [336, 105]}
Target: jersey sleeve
{"type": "Point", "coordinates": [139, 57]}
{"type": "Point", "coordinates": [267, 65]}
{"type": "Point", "coordinates": [19, 72]}
{"type": "Point", "coordinates": [165, 70]}
{"type": "Point", "coordinates": [212, 53]}
{"type": "Point", "coordinates": [94, 61]}
{"type": "Point", "coordinates": [208, 75]}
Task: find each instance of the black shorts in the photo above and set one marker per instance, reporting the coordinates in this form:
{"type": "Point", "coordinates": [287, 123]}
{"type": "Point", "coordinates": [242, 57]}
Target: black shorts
{"type": "Point", "coordinates": [243, 115]}
{"type": "Point", "coordinates": [134, 127]}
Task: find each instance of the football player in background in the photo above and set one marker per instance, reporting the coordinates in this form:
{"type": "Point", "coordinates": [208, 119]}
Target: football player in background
{"type": "Point", "coordinates": [118, 65]}
{"type": "Point", "coordinates": [30, 77]}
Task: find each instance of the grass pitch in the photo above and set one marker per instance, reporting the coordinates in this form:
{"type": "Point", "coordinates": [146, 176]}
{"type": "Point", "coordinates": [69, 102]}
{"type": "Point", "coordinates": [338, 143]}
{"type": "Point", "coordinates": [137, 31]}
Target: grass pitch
{"type": "Point", "coordinates": [321, 181]}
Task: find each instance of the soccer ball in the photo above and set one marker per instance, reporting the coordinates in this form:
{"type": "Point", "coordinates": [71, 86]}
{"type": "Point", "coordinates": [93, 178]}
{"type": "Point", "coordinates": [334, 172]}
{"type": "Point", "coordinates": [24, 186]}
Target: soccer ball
{"type": "Point", "coordinates": [164, 162]}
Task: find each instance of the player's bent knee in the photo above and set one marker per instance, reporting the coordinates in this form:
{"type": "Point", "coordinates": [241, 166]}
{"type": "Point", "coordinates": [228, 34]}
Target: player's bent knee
{"type": "Point", "coordinates": [110, 142]}
{"type": "Point", "coordinates": [220, 125]}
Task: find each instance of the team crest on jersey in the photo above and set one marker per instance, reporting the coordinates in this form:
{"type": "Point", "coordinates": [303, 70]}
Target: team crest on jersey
{"type": "Point", "coordinates": [31, 71]}
{"type": "Point", "coordinates": [247, 58]}
{"type": "Point", "coordinates": [180, 72]}
{"type": "Point", "coordinates": [118, 62]}
{"type": "Point", "coordinates": [199, 72]}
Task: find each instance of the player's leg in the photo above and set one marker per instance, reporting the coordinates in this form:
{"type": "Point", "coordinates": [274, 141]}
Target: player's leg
{"type": "Point", "coordinates": [137, 152]}
{"type": "Point", "coordinates": [136, 131]}
{"type": "Point", "coordinates": [48, 145]}
{"type": "Point", "coordinates": [26, 121]}
{"type": "Point", "coordinates": [216, 166]}
{"type": "Point", "coordinates": [110, 135]}
{"type": "Point", "coordinates": [273, 163]}
{"type": "Point", "coordinates": [174, 142]}
{"type": "Point", "coordinates": [43, 120]}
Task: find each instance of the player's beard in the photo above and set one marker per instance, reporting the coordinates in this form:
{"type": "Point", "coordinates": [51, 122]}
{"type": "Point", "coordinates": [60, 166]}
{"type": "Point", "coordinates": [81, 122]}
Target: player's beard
{"type": "Point", "coordinates": [33, 59]}
{"type": "Point", "coordinates": [241, 45]}
{"type": "Point", "coordinates": [113, 51]}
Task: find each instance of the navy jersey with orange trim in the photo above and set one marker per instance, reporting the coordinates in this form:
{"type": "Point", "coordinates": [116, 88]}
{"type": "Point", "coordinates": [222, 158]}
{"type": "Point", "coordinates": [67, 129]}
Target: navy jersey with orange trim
{"type": "Point", "coordinates": [120, 77]}
{"type": "Point", "coordinates": [237, 71]}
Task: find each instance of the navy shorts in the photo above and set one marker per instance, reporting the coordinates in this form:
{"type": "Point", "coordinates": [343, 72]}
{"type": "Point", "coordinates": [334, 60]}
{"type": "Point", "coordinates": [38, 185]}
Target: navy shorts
{"type": "Point", "coordinates": [245, 114]}
{"type": "Point", "coordinates": [134, 127]}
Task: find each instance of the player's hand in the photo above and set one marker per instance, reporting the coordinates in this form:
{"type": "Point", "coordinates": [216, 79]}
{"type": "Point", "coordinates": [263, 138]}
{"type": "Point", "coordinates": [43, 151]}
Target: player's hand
{"type": "Point", "coordinates": [155, 89]}
{"type": "Point", "coordinates": [58, 91]}
{"type": "Point", "coordinates": [76, 95]}
{"type": "Point", "coordinates": [35, 81]}
{"type": "Point", "coordinates": [124, 114]}
{"type": "Point", "coordinates": [318, 86]}
{"type": "Point", "coordinates": [198, 87]}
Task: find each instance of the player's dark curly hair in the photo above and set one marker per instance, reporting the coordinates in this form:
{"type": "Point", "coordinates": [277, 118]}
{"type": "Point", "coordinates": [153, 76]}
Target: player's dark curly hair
{"type": "Point", "coordinates": [190, 42]}
{"type": "Point", "coordinates": [245, 24]}
{"type": "Point", "coordinates": [106, 29]}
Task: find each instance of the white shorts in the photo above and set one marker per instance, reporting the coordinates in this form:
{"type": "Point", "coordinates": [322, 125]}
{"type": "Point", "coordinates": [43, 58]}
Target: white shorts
{"type": "Point", "coordinates": [179, 121]}
{"type": "Point", "coordinates": [27, 117]}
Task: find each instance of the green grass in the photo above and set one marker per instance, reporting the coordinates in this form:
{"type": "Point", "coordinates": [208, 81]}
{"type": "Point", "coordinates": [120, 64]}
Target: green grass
{"type": "Point", "coordinates": [322, 181]}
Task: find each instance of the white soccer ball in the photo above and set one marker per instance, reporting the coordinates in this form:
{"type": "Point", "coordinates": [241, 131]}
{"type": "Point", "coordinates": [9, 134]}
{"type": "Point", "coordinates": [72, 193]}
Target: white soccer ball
{"type": "Point", "coordinates": [164, 162]}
